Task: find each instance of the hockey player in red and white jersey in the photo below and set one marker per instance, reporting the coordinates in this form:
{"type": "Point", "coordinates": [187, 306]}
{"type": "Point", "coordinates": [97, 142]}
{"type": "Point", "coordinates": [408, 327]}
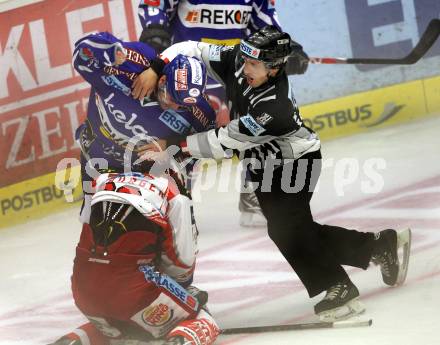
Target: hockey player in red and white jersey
{"type": "Point", "coordinates": [134, 266]}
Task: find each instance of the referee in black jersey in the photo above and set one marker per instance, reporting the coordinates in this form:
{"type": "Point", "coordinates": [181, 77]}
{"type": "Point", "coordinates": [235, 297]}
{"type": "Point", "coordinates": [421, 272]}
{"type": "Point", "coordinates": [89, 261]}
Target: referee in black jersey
{"type": "Point", "coordinates": [284, 161]}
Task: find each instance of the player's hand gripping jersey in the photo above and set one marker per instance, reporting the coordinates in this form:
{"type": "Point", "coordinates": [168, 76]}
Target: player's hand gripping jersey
{"type": "Point", "coordinates": [218, 21]}
{"type": "Point", "coordinates": [114, 117]}
{"type": "Point", "coordinates": [135, 259]}
{"type": "Point", "coordinates": [267, 120]}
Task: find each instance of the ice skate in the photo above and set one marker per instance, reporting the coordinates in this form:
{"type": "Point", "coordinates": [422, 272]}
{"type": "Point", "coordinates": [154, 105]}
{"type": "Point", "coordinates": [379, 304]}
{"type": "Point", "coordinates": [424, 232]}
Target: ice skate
{"type": "Point", "coordinates": [340, 303]}
{"type": "Point", "coordinates": [386, 255]}
{"type": "Point", "coordinates": [250, 211]}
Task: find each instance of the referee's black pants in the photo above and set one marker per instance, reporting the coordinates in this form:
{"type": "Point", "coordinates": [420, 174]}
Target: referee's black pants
{"type": "Point", "coordinates": [315, 251]}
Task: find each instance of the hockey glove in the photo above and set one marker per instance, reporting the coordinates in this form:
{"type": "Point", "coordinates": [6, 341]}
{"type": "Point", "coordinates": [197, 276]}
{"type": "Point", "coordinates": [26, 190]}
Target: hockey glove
{"type": "Point", "coordinates": [156, 36]}
{"type": "Point", "coordinates": [200, 295]}
{"type": "Point", "coordinates": [298, 61]}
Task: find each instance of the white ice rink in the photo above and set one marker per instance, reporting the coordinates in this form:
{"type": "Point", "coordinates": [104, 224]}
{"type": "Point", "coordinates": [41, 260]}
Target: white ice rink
{"type": "Point", "coordinates": [248, 280]}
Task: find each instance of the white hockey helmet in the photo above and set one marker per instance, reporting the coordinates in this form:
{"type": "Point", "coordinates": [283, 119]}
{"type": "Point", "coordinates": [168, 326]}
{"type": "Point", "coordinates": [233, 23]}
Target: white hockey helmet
{"type": "Point", "coordinates": [145, 193]}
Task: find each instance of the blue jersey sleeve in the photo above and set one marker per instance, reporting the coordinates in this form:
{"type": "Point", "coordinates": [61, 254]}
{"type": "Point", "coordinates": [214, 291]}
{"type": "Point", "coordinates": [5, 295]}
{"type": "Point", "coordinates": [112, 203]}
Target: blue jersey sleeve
{"type": "Point", "coordinates": [263, 13]}
{"type": "Point", "coordinates": [156, 12]}
{"type": "Point", "coordinates": [95, 56]}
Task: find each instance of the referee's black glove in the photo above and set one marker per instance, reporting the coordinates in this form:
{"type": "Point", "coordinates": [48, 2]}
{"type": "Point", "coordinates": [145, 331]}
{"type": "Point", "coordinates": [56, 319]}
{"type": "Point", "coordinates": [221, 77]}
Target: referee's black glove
{"type": "Point", "coordinates": [157, 37]}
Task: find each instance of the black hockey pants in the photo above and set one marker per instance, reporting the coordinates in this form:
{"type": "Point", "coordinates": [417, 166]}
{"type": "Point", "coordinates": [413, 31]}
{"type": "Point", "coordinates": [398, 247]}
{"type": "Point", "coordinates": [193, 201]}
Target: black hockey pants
{"type": "Point", "coordinates": [315, 251]}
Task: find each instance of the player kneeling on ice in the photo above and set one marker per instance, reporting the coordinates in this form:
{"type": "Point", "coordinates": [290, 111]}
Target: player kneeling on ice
{"type": "Point", "coordinates": [134, 267]}
{"type": "Point", "coordinates": [283, 158]}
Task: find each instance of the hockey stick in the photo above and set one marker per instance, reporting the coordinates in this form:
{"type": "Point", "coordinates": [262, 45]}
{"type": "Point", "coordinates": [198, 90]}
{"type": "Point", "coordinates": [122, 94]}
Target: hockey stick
{"type": "Point", "coordinates": [426, 41]}
{"type": "Point", "coordinates": [298, 326]}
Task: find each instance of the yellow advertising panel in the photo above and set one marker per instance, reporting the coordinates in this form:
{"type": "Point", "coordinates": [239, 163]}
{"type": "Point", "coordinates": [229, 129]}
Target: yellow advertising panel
{"type": "Point", "coordinates": [39, 196]}
{"type": "Point", "coordinates": [432, 93]}
{"type": "Point", "coordinates": [366, 111]}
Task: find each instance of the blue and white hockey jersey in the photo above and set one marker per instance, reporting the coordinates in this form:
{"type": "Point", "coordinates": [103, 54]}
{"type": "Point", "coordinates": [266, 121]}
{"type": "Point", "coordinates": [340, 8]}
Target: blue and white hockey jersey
{"type": "Point", "coordinates": [114, 117]}
{"type": "Point", "coordinates": [213, 21]}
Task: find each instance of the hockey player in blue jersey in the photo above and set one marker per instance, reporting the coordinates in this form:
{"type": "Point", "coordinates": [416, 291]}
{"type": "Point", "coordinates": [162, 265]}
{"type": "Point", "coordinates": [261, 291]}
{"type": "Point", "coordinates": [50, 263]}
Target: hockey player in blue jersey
{"type": "Point", "coordinates": [223, 22]}
{"type": "Point", "coordinates": [117, 125]}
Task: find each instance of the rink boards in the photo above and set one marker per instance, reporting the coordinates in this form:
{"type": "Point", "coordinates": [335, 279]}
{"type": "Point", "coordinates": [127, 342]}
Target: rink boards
{"type": "Point", "coordinates": [374, 109]}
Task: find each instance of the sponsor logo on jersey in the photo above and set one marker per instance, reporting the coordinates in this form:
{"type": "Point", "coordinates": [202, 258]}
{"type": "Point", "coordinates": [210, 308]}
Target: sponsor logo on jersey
{"type": "Point", "coordinates": [161, 315]}
{"type": "Point", "coordinates": [86, 54]}
{"type": "Point", "coordinates": [264, 119]}
{"type": "Point", "coordinates": [157, 315]}
{"type": "Point", "coordinates": [214, 53]}
{"type": "Point", "coordinates": [249, 122]}
{"type": "Point", "coordinates": [112, 81]}
{"type": "Point", "coordinates": [181, 79]}
{"type": "Point", "coordinates": [175, 121]}
{"type": "Point", "coordinates": [218, 17]}
{"type": "Point", "coordinates": [108, 113]}
{"type": "Point", "coordinates": [196, 71]}
{"type": "Point", "coordinates": [193, 16]}
{"type": "Point", "coordinates": [200, 116]}
{"type": "Point", "coordinates": [163, 281]}
{"type": "Point", "coordinates": [214, 16]}
{"type": "Point", "coordinates": [114, 71]}
{"type": "Point", "coordinates": [249, 50]}
{"type": "Point", "coordinates": [136, 57]}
